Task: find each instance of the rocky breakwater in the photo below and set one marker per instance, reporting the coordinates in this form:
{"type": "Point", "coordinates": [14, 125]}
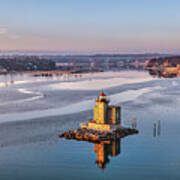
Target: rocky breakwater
{"type": "Point", "coordinates": [95, 136]}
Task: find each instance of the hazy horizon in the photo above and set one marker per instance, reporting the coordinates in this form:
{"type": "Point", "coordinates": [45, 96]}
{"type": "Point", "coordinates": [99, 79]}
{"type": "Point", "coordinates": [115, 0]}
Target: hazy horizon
{"type": "Point", "coordinates": [58, 53]}
{"type": "Point", "coordinates": [79, 26]}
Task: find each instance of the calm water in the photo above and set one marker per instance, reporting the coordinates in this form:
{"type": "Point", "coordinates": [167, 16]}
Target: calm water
{"type": "Point", "coordinates": [30, 148]}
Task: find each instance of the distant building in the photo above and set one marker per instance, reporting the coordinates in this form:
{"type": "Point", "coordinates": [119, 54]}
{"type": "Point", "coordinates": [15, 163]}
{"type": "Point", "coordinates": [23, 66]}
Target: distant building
{"type": "Point", "coordinates": [106, 118]}
{"type": "Point", "coordinates": [167, 67]}
{"type": "Point", "coordinates": [2, 70]}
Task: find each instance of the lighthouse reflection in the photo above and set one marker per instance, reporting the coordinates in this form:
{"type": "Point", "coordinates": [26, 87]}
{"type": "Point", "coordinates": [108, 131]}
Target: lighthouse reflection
{"type": "Point", "coordinates": [104, 150]}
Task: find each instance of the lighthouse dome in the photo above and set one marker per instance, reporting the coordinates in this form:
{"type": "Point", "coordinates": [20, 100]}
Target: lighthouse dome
{"type": "Point", "coordinates": [102, 94]}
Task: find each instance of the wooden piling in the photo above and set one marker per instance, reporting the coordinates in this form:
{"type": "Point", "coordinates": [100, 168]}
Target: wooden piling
{"type": "Point", "coordinates": [159, 128]}
{"type": "Point", "coordinates": [154, 130]}
{"type": "Point", "coordinates": [134, 123]}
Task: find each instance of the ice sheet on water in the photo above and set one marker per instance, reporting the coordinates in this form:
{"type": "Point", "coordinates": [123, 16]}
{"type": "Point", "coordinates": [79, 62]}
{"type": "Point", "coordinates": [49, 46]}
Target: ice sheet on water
{"type": "Point", "coordinates": [85, 105]}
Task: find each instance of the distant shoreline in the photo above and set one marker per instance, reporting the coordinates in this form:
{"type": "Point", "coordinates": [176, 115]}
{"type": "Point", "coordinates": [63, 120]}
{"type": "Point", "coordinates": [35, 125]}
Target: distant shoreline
{"type": "Point", "coordinates": [51, 73]}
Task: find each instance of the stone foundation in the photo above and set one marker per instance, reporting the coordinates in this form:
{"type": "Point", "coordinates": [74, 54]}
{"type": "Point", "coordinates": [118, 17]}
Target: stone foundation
{"type": "Point", "coordinates": [91, 135]}
{"type": "Point", "coordinates": [99, 127]}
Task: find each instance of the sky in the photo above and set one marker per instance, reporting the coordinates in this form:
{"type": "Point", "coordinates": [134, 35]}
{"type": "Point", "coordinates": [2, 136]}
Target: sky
{"type": "Point", "coordinates": [88, 26]}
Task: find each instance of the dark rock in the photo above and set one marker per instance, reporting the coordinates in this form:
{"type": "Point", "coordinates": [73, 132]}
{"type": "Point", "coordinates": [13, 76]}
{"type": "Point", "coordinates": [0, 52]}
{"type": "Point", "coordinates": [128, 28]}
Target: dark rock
{"type": "Point", "coordinates": [97, 136]}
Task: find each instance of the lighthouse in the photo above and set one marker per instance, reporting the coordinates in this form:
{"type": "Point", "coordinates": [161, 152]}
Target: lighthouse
{"type": "Point", "coordinates": [104, 126]}
{"type": "Point", "coordinates": [106, 117]}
